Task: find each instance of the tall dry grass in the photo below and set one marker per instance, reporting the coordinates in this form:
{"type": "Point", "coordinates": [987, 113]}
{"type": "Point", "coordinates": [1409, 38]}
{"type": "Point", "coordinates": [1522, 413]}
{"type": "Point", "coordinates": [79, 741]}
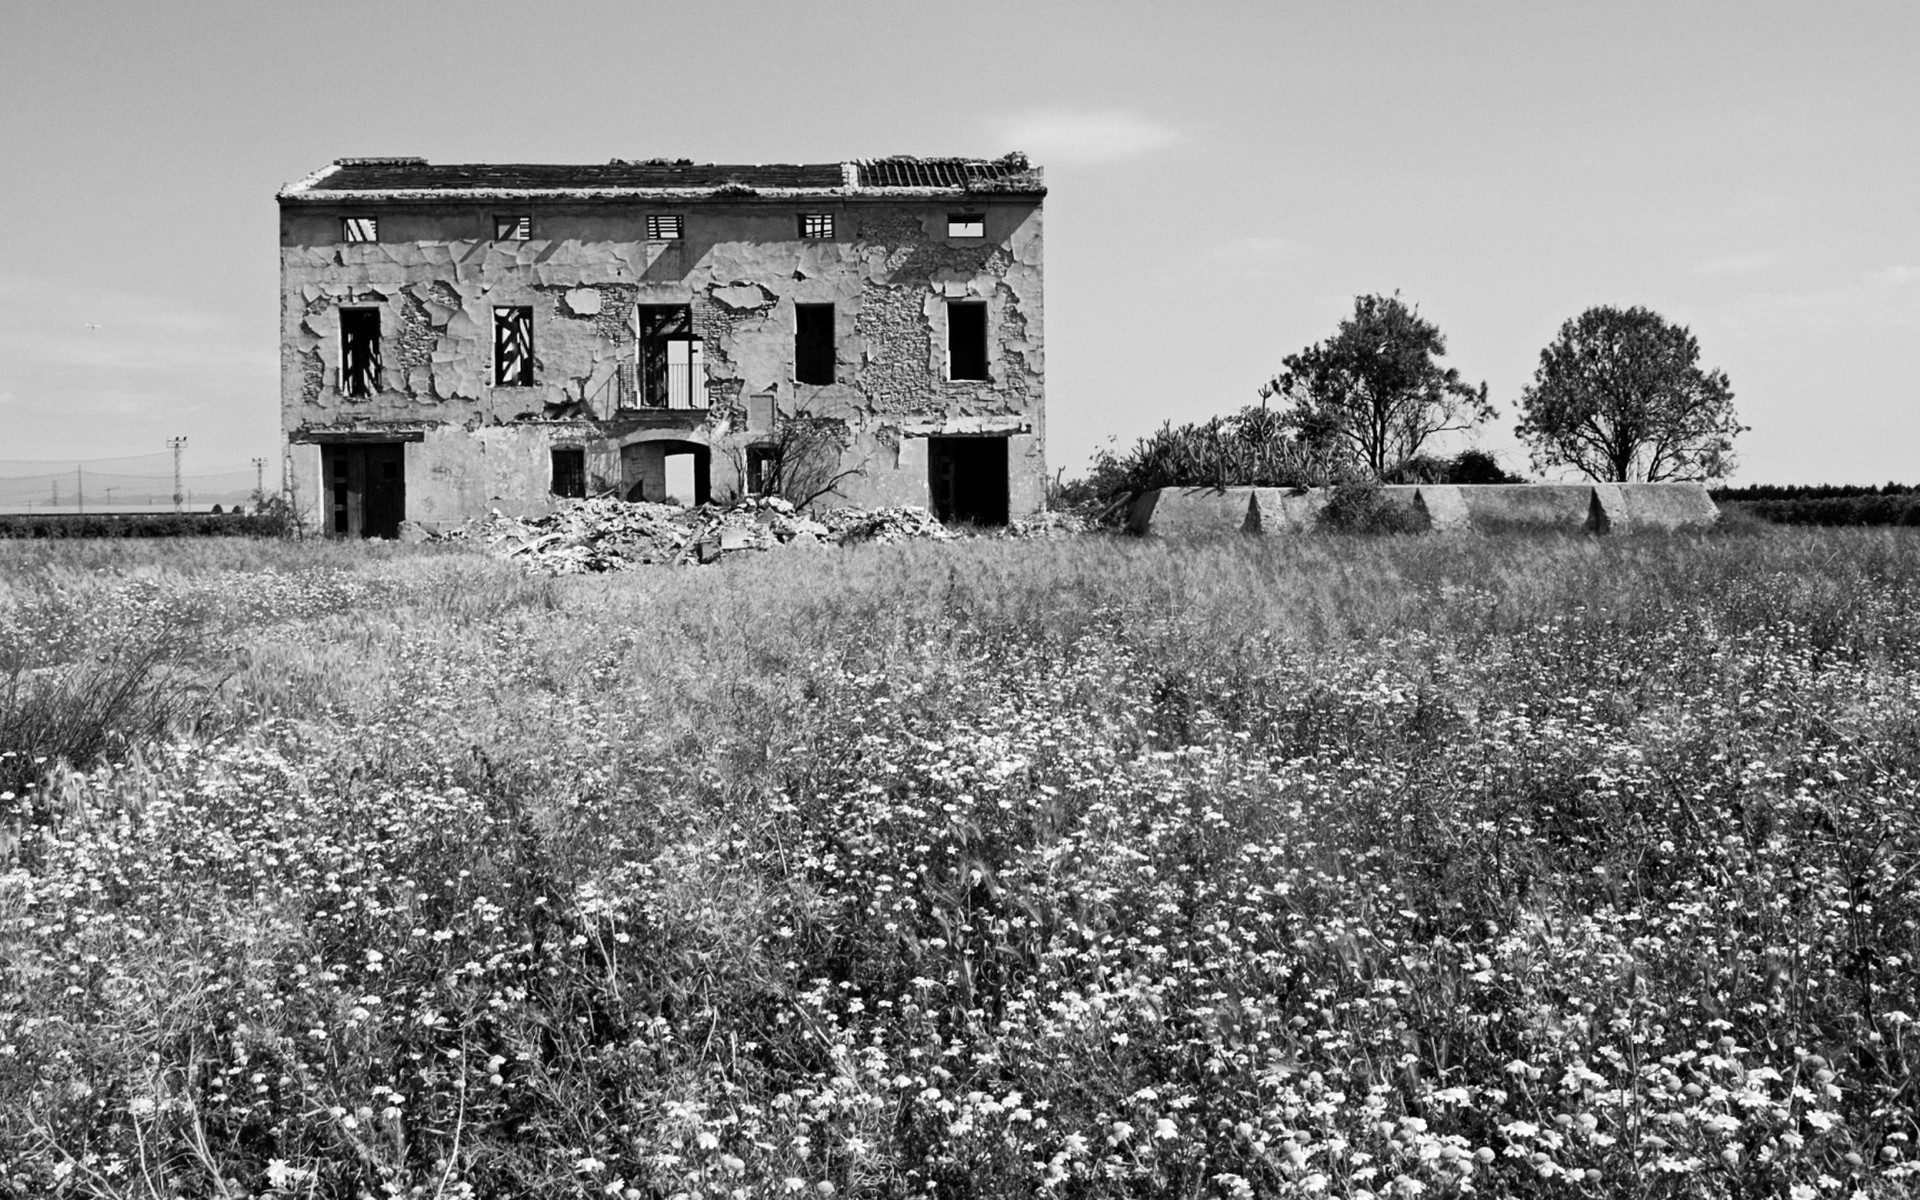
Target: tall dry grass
{"type": "Point", "coordinates": [1366, 866]}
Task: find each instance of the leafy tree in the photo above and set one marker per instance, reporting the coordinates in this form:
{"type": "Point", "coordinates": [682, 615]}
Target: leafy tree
{"type": "Point", "coordinates": [1253, 446]}
{"type": "Point", "coordinates": [1468, 466]}
{"type": "Point", "coordinates": [1619, 396]}
{"type": "Point", "coordinates": [1373, 392]}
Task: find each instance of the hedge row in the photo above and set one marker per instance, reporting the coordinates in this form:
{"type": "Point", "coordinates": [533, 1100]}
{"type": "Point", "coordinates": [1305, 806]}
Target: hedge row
{"type": "Point", "coordinates": [140, 525]}
{"type": "Point", "coordinates": [1870, 509]}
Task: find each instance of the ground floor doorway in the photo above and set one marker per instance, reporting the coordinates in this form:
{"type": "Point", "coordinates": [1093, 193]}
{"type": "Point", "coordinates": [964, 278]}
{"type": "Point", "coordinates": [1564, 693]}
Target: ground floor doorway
{"type": "Point", "coordinates": [667, 471]}
{"type": "Point", "coordinates": [366, 484]}
{"type": "Point", "coordinates": [967, 479]}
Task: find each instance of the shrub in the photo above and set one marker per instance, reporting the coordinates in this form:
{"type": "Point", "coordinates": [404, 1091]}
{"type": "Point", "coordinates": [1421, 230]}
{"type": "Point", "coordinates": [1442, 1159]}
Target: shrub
{"type": "Point", "coordinates": [269, 522]}
{"type": "Point", "coordinates": [1366, 508]}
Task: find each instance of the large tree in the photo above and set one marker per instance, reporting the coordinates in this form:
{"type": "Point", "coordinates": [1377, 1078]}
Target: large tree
{"type": "Point", "coordinates": [1619, 396]}
{"type": "Point", "coordinates": [1374, 389]}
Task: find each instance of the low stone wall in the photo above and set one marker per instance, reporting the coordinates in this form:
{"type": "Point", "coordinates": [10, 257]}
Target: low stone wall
{"type": "Point", "coordinates": [1483, 508]}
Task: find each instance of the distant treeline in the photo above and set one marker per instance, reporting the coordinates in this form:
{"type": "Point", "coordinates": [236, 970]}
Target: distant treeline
{"type": "Point", "coordinates": [141, 525]}
{"type": "Point", "coordinates": [1817, 491]}
{"type": "Point", "coordinates": [1826, 504]}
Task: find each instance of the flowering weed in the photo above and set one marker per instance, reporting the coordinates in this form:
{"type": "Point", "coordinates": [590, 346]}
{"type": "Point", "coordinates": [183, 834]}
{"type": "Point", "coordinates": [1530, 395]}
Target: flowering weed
{"type": "Point", "coordinates": [1364, 868]}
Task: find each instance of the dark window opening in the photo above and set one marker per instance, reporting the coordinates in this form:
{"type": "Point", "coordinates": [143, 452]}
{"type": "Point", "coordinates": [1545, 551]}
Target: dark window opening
{"type": "Point", "coordinates": [672, 369]}
{"type": "Point", "coordinates": [966, 341]}
{"type": "Point", "coordinates": [570, 473]}
{"type": "Point", "coordinates": [366, 489]}
{"type": "Point", "coordinates": [966, 225]}
{"type": "Point", "coordinates": [359, 351]}
{"type": "Point", "coordinates": [967, 479]}
{"type": "Point", "coordinates": [359, 229]}
{"type": "Point", "coordinates": [663, 227]}
{"type": "Point", "coordinates": [813, 343]}
{"type": "Point", "coordinates": [513, 228]}
{"type": "Point", "coordinates": [763, 470]}
{"type": "Point", "coordinates": [816, 225]}
{"type": "Point", "coordinates": [513, 347]}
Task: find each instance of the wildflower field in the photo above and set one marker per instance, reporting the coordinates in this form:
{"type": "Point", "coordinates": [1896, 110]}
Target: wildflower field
{"type": "Point", "coordinates": [1519, 866]}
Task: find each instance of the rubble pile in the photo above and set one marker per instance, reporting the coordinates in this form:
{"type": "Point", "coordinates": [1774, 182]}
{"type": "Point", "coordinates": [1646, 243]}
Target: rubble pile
{"type": "Point", "coordinates": [883, 525]}
{"type": "Point", "coordinates": [605, 534]}
{"type": "Point", "coordinates": [582, 536]}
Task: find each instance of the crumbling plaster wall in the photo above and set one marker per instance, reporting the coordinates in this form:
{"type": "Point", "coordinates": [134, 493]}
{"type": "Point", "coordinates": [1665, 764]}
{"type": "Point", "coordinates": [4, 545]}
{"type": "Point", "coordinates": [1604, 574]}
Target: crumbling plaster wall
{"type": "Point", "coordinates": [890, 272]}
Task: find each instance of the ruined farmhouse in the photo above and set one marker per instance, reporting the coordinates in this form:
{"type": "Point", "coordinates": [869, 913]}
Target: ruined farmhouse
{"type": "Point", "coordinates": [456, 338]}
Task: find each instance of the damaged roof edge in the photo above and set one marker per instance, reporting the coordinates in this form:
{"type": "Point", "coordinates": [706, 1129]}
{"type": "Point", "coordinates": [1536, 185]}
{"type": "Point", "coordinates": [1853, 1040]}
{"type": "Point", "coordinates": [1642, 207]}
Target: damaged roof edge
{"type": "Point", "coordinates": [412, 180]}
{"type": "Point", "coordinates": [295, 194]}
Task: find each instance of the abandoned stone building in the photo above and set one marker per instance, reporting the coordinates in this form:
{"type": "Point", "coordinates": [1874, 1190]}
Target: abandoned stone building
{"type": "Point", "coordinates": [459, 338]}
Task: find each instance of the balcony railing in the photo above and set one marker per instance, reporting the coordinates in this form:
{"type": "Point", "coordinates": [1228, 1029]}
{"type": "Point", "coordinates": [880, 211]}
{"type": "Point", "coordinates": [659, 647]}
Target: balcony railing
{"type": "Point", "coordinates": [678, 382]}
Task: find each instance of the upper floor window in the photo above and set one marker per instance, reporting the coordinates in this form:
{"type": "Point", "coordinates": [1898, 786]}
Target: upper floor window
{"type": "Point", "coordinates": [359, 229]}
{"type": "Point", "coordinates": [816, 225]}
{"type": "Point", "coordinates": [513, 347]}
{"type": "Point", "coordinates": [671, 364]}
{"type": "Point", "coordinates": [663, 227]}
{"type": "Point", "coordinates": [966, 225]}
{"type": "Point", "coordinates": [813, 343]}
{"type": "Point", "coordinates": [359, 351]}
{"type": "Point", "coordinates": [513, 227]}
{"type": "Point", "coordinates": [966, 340]}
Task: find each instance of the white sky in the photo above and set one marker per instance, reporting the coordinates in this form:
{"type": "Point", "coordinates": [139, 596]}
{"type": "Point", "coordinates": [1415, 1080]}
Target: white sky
{"type": "Point", "coordinates": [1222, 184]}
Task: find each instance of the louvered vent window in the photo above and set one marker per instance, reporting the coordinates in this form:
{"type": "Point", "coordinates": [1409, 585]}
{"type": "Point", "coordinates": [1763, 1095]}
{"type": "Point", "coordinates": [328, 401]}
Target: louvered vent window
{"type": "Point", "coordinates": [663, 227]}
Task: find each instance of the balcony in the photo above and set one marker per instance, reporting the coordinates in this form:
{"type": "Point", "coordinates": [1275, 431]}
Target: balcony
{"type": "Point", "coordinates": [670, 375]}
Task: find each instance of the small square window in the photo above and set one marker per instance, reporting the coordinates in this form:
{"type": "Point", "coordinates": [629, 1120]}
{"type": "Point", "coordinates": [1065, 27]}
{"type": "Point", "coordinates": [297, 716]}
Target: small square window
{"type": "Point", "coordinates": [816, 225]}
{"type": "Point", "coordinates": [663, 227]}
{"type": "Point", "coordinates": [513, 228]}
{"type": "Point", "coordinates": [966, 225]}
{"type": "Point", "coordinates": [359, 229]}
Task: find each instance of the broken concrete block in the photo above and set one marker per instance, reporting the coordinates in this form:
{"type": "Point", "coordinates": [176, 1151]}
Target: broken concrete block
{"type": "Point", "coordinates": [1607, 511]}
{"type": "Point", "coordinates": [1193, 512]}
{"type": "Point", "coordinates": [1443, 507]}
{"type": "Point", "coordinates": [412, 532]}
{"type": "Point", "coordinates": [1496, 507]}
{"type": "Point", "coordinates": [1668, 506]}
{"type": "Point", "coordinates": [1284, 510]}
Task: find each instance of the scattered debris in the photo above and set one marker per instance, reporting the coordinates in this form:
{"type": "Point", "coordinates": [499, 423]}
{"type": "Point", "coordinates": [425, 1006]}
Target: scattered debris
{"type": "Point", "coordinates": [1051, 525]}
{"type": "Point", "coordinates": [605, 534]}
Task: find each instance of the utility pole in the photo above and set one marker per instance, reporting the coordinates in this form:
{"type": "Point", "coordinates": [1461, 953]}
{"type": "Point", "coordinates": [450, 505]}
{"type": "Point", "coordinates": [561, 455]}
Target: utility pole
{"type": "Point", "coordinates": [259, 482]}
{"type": "Point", "coordinates": [80, 486]}
{"type": "Point", "coordinates": [177, 444]}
